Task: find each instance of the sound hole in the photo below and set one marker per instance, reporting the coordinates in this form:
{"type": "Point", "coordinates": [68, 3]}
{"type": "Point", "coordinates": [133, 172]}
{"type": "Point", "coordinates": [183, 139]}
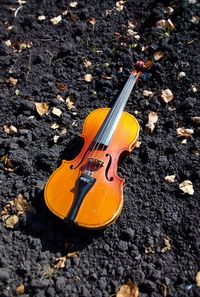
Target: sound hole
{"type": "Point", "coordinates": [108, 167]}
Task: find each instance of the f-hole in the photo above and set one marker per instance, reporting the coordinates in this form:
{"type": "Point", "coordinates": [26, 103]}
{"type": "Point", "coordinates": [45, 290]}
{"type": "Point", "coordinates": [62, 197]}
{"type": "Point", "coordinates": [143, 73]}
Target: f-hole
{"type": "Point", "coordinates": [108, 167]}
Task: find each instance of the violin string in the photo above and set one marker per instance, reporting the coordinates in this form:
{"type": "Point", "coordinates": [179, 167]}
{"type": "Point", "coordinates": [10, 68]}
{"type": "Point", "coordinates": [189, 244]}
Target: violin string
{"type": "Point", "coordinates": [97, 144]}
{"type": "Point", "coordinates": [134, 81]}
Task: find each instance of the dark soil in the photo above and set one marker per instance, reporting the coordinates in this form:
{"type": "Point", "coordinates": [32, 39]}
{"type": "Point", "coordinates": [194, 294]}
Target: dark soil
{"type": "Point", "coordinates": [153, 210]}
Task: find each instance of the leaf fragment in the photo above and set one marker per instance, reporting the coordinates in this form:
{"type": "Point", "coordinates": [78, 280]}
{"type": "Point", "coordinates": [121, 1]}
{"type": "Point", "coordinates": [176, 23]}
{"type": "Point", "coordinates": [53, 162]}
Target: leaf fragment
{"type": "Point", "coordinates": [54, 126]}
{"type": "Point", "coordinates": [129, 290]}
{"type": "Point", "coordinates": [170, 178]}
{"type": "Point", "coordinates": [56, 20]}
{"type": "Point", "coordinates": [73, 4]}
{"type": "Point", "coordinates": [158, 55]}
{"type": "Point", "coordinates": [92, 21]}
{"type": "Point", "coordinates": [147, 93]}
{"type": "Point", "coordinates": [11, 221]}
{"type": "Point", "coordinates": [187, 187]}
{"type": "Point", "coordinates": [184, 132]}
{"type": "Point", "coordinates": [8, 166]}
{"type": "Point", "coordinates": [41, 18]}
{"type": "Point", "coordinates": [120, 5]}
{"type": "Point", "coordinates": [73, 255]}
{"type": "Point", "coordinates": [55, 138]}
{"type": "Point", "coordinates": [60, 262]}
{"type": "Point", "coordinates": [56, 111]}
{"type": "Point", "coordinates": [167, 95]}
{"type": "Point", "coordinates": [88, 77]}
{"type": "Point", "coordinates": [87, 63]}
{"type": "Point", "coordinates": [20, 290]}
{"type": "Point", "coordinates": [198, 278]}
{"type": "Point", "coordinates": [70, 102]}
{"type": "Point", "coordinates": [152, 120]}
{"type": "Point", "coordinates": [10, 129]}
{"type": "Point", "coordinates": [42, 108]}
{"type": "Point", "coordinates": [11, 81]}
{"type": "Point", "coordinates": [167, 245]}
{"type": "Point", "coordinates": [196, 120]}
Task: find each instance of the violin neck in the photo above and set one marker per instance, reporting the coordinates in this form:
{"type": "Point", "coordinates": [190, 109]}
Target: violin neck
{"type": "Point", "coordinates": [111, 121]}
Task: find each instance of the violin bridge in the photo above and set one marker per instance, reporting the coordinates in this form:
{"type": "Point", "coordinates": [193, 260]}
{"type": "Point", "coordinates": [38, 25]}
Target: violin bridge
{"type": "Point", "coordinates": [96, 162]}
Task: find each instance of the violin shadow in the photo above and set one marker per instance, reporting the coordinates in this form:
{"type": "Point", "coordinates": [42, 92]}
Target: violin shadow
{"type": "Point", "coordinates": [54, 234]}
{"type": "Point", "coordinates": [72, 149]}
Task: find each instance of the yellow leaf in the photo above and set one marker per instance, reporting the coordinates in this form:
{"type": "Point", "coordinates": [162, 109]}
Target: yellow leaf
{"type": "Point", "coordinates": [20, 289]}
{"type": "Point", "coordinates": [128, 290]}
{"type": "Point", "coordinates": [42, 108]}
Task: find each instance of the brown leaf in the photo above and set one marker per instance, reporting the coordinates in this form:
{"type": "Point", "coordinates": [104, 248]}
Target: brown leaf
{"type": "Point", "coordinates": [158, 55]}
{"type": "Point", "coordinates": [169, 25]}
{"type": "Point", "coordinates": [149, 64]}
{"type": "Point", "coordinates": [88, 77]}
{"type": "Point", "coordinates": [73, 255]}
{"type": "Point", "coordinates": [8, 166]}
{"type": "Point", "coordinates": [62, 87]}
{"type": "Point", "coordinates": [20, 290]}
{"type": "Point", "coordinates": [60, 262]}
{"type": "Point", "coordinates": [167, 95]}
{"type": "Point", "coordinates": [11, 81]}
{"type": "Point", "coordinates": [183, 132]}
{"type": "Point", "coordinates": [70, 103]}
{"type": "Point", "coordinates": [10, 129]}
{"type": "Point", "coordinates": [187, 187]}
{"type": "Point", "coordinates": [11, 221]}
{"type": "Point", "coordinates": [128, 290]}
{"type": "Point", "coordinates": [198, 278]}
{"type": "Point", "coordinates": [152, 120]}
{"type": "Point", "coordinates": [42, 108]}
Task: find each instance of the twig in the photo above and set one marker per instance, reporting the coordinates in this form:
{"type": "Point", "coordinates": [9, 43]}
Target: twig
{"type": "Point", "coordinates": [16, 11]}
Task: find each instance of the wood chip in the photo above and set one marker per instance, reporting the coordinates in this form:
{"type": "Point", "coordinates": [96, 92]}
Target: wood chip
{"type": "Point", "coordinates": [10, 129]}
{"type": "Point", "coordinates": [167, 95]}
{"type": "Point", "coordinates": [56, 111]}
{"type": "Point", "coordinates": [187, 187]}
{"type": "Point", "coordinates": [158, 55]}
{"type": "Point", "coordinates": [129, 290]}
{"type": "Point", "coordinates": [183, 132]}
{"type": "Point", "coordinates": [12, 81]}
{"type": "Point", "coordinates": [170, 178]}
{"type": "Point", "coordinates": [88, 77]}
{"type": "Point", "coordinates": [56, 20]}
{"type": "Point", "coordinates": [152, 120]}
{"type": "Point", "coordinates": [42, 108]}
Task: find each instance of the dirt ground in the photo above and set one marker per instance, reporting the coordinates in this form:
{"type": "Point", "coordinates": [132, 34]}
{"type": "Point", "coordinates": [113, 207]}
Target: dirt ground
{"type": "Point", "coordinates": [155, 242]}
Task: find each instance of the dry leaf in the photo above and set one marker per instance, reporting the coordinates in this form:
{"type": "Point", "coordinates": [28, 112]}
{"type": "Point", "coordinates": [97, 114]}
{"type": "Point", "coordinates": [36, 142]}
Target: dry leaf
{"type": "Point", "coordinates": [60, 262]}
{"type": "Point", "coordinates": [138, 144]}
{"type": "Point", "coordinates": [161, 24]}
{"type": "Point", "coordinates": [149, 249]}
{"type": "Point", "coordinates": [183, 132]}
{"type": "Point", "coordinates": [152, 119]}
{"type": "Point", "coordinates": [167, 245]}
{"type": "Point", "coordinates": [131, 25]}
{"type": "Point", "coordinates": [167, 95]}
{"type": "Point", "coordinates": [88, 77]}
{"type": "Point", "coordinates": [128, 290]}
{"type": "Point", "coordinates": [12, 81]}
{"type": "Point", "coordinates": [87, 63]}
{"type": "Point", "coordinates": [131, 33]}
{"type": "Point", "coordinates": [149, 64]}
{"type": "Point", "coordinates": [73, 255]}
{"type": "Point", "coordinates": [8, 166]}
{"type": "Point", "coordinates": [56, 20]}
{"type": "Point", "coordinates": [196, 120]}
{"type": "Point", "coordinates": [19, 46]}
{"type": "Point", "coordinates": [198, 278]}
{"type": "Point", "coordinates": [120, 5]}
{"type": "Point", "coordinates": [70, 103]}
{"type": "Point", "coordinates": [169, 25]}
{"type": "Point", "coordinates": [10, 129]}
{"type": "Point", "coordinates": [60, 98]}
{"type": "Point", "coordinates": [56, 111]}
{"type": "Point", "coordinates": [55, 138]}
{"type": "Point", "coordinates": [11, 221]}
{"type": "Point", "coordinates": [147, 93]}
{"type": "Point", "coordinates": [41, 17]}
{"type": "Point", "coordinates": [169, 10]}
{"type": "Point", "coordinates": [170, 178]}
{"type": "Point", "coordinates": [42, 108]}
{"type": "Point", "coordinates": [65, 12]}
{"type": "Point", "coordinates": [62, 87]}
{"type": "Point", "coordinates": [187, 187]}
{"type": "Point", "coordinates": [92, 21]}
{"type": "Point", "coordinates": [73, 4]}
{"type": "Point", "coordinates": [158, 55]}
{"type": "Point", "coordinates": [20, 290]}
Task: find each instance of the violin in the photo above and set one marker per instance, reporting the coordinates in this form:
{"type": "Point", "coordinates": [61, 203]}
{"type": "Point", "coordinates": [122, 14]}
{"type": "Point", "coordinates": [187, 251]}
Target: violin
{"type": "Point", "coordinates": [87, 191]}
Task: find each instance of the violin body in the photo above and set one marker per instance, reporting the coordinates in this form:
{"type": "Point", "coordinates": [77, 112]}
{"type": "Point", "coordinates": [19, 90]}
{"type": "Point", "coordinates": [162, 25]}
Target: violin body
{"type": "Point", "coordinates": [98, 205]}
